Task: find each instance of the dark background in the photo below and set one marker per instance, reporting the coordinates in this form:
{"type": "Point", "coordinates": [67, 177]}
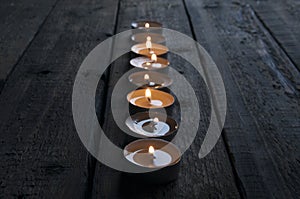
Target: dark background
{"type": "Point", "coordinates": [255, 45]}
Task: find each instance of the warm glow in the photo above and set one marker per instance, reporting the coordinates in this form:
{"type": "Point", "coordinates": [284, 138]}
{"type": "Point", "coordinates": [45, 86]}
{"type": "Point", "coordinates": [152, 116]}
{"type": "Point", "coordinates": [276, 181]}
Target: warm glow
{"type": "Point", "coordinates": [148, 93]}
{"type": "Point", "coordinates": [148, 38]}
{"type": "Point", "coordinates": [148, 44]}
{"type": "Point", "coordinates": [156, 120]}
{"type": "Point", "coordinates": [148, 63]}
{"type": "Point", "coordinates": [154, 57]}
{"type": "Point", "coordinates": [151, 149]}
{"type": "Point", "coordinates": [147, 25]}
{"type": "Point", "coordinates": [146, 77]}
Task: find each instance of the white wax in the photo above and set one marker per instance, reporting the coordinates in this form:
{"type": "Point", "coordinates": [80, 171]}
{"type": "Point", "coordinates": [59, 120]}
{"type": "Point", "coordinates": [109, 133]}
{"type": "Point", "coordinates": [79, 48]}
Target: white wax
{"type": "Point", "coordinates": [156, 103]}
{"type": "Point", "coordinates": [161, 128]}
{"type": "Point", "coordinates": [156, 65]}
{"type": "Point", "coordinates": [162, 158]}
{"type": "Point", "coordinates": [159, 159]}
{"type": "Point", "coordinates": [153, 102]}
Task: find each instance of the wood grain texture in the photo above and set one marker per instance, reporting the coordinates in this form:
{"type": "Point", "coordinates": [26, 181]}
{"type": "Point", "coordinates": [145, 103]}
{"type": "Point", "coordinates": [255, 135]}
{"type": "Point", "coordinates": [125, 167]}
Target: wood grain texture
{"type": "Point", "coordinates": [262, 127]}
{"type": "Point", "coordinates": [282, 20]}
{"type": "Point", "coordinates": [19, 23]}
{"type": "Point", "coordinates": [41, 154]}
{"type": "Point", "coordinates": [208, 177]}
{"type": "Point", "coordinates": [254, 44]}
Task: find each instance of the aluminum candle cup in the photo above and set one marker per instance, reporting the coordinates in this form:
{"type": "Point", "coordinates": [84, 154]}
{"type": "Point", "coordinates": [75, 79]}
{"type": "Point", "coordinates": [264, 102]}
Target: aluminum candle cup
{"type": "Point", "coordinates": [154, 154]}
{"type": "Point", "coordinates": [148, 64]}
{"type": "Point", "coordinates": [154, 124]}
{"type": "Point", "coordinates": [142, 37]}
{"type": "Point", "coordinates": [142, 49]}
{"type": "Point", "coordinates": [146, 26]}
{"type": "Point", "coordinates": [150, 79]}
{"type": "Point", "coordinates": [150, 98]}
{"type": "Point", "coordinates": [143, 24]}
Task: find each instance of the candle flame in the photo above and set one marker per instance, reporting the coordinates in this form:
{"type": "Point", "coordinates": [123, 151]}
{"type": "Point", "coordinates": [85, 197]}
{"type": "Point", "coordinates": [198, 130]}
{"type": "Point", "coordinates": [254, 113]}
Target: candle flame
{"type": "Point", "coordinates": [148, 44]}
{"type": "Point", "coordinates": [154, 57]}
{"type": "Point", "coordinates": [151, 150]}
{"type": "Point", "coordinates": [148, 93]}
{"type": "Point", "coordinates": [146, 77]}
{"type": "Point", "coordinates": [147, 25]}
{"type": "Point", "coordinates": [156, 120]}
{"type": "Point", "coordinates": [148, 38]}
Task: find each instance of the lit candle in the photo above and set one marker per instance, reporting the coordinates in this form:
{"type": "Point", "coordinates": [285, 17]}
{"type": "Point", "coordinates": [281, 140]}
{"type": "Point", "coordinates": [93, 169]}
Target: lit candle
{"type": "Point", "coordinates": [148, 95]}
{"type": "Point", "coordinates": [150, 98]}
{"type": "Point", "coordinates": [147, 80]}
{"type": "Point", "coordinates": [156, 120]}
{"type": "Point", "coordinates": [153, 57]}
{"type": "Point", "coordinates": [143, 153]}
{"type": "Point", "coordinates": [145, 24]}
{"type": "Point", "coordinates": [159, 126]}
{"type": "Point", "coordinates": [151, 151]}
{"type": "Point", "coordinates": [150, 63]}
{"type": "Point", "coordinates": [149, 43]}
{"type": "Point", "coordinates": [146, 77]}
{"type": "Point", "coordinates": [142, 36]}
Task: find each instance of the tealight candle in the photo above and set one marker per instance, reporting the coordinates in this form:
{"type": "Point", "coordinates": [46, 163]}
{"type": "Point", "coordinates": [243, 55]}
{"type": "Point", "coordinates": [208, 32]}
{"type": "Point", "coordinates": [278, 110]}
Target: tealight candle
{"type": "Point", "coordinates": [146, 24]}
{"type": "Point", "coordinates": [148, 48]}
{"type": "Point", "coordinates": [149, 45]}
{"type": "Point", "coordinates": [153, 63]}
{"type": "Point", "coordinates": [152, 125]}
{"type": "Point", "coordinates": [148, 95]}
{"type": "Point", "coordinates": [141, 37]}
{"type": "Point", "coordinates": [150, 79]}
{"type": "Point", "coordinates": [152, 153]}
{"type": "Point", "coordinates": [150, 98]}
{"type": "Point", "coordinates": [146, 27]}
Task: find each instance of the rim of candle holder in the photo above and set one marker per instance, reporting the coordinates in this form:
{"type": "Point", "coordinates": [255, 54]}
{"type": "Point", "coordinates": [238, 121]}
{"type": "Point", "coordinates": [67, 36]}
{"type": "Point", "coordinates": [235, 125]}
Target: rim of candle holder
{"type": "Point", "coordinates": [132, 119]}
{"type": "Point", "coordinates": [139, 62]}
{"type": "Point", "coordinates": [160, 80]}
{"type": "Point", "coordinates": [156, 95]}
{"type": "Point", "coordinates": [158, 144]}
{"type": "Point", "coordinates": [141, 24]}
{"type": "Point", "coordinates": [142, 37]}
{"type": "Point", "coordinates": [142, 49]}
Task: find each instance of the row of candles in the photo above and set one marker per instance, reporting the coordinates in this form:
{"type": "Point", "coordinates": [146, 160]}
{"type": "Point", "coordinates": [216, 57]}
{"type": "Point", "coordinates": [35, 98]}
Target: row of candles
{"type": "Point", "coordinates": [153, 151]}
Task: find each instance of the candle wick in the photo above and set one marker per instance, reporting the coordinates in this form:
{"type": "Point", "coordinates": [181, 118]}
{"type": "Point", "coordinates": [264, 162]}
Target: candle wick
{"type": "Point", "coordinates": [149, 99]}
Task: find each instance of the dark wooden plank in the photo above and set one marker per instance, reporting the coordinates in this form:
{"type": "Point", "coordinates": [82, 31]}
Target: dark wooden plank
{"type": "Point", "coordinates": [19, 23]}
{"type": "Point", "coordinates": [282, 18]}
{"type": "Point", "coordinates": [263, 125]}
{"type": "Point", "coordinates": [41, 153]}
{"type": "Point", "coordinates": [208, 177]}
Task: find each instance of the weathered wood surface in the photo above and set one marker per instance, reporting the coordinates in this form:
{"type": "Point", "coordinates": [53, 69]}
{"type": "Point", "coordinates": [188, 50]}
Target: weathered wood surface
{"type": "Point", "coordinates": [255, 47]}
{"type": "Point", "coordinates": [41, 154]}
{"type": "Point", "coordinates": [209, 177]}
{"type": "Point", "coordinates": [19, 23]}
{"type": "Point", "coordinates": [262, 127]}
{"type": "Point", "coordinates": [282, 20]}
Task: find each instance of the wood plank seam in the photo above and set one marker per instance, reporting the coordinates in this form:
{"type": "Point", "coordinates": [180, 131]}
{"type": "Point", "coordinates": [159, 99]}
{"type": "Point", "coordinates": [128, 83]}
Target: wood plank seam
{"type": "Point", "coordinates": [92, 161]}
{"type": "Point", "coordinates": [28, 45]}
{"type": "Point", "coordinates": [267, 31]}
{"type": "Point", "coordinates": [237, 180]}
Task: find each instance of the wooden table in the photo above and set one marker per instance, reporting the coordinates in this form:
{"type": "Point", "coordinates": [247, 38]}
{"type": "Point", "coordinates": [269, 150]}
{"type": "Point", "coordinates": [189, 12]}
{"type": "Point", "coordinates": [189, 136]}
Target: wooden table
{"type": "Point", "coordinates": [255, 45]}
